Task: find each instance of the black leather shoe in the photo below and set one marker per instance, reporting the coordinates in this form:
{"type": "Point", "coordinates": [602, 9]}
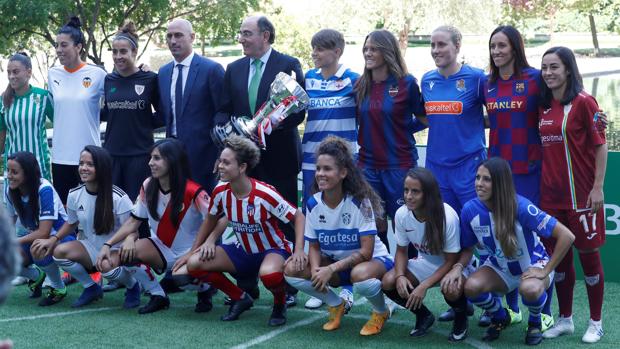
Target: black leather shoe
{"type": "Point", "coordinates": [448, 315]}
{"type": "Point", "coordinates": [278, 315]}
{"type": "Point", "coordinates": [238, 307]}
{"type": "Point", "coordinates": [422, 325]}
{"type": "Point", "coordinates": [204, 304]}
{"type": "Point", "coordinates": [459, 330]}
{"type": "Point", "coordinates": [291, 300]}
{"type": "Point", "coordinates": [254, 293]}
{"type": "Point", "coordinates": [495, 328]}
{"type": "Point", "coordinates": [156, 303]}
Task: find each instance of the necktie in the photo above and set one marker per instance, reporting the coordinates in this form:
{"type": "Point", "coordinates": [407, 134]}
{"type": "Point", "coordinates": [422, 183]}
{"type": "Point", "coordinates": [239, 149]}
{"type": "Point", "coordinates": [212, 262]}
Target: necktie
{"type": "Point", "coordinates": [253, 89]}
{"type": "Point", "coordinates": [178, 93]}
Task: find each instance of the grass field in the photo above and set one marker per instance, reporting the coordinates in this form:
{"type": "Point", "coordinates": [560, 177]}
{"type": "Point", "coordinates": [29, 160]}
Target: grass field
{"type": "Point", "coordinates": [104, 324]}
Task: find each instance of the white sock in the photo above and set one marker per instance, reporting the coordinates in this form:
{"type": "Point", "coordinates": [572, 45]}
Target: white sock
{"type": "Point", "coordinates": [146, 278]}
{"type": "Point", "coordinates": [30, 272]}
{"type": "Point", "coordinates": [53, 274]}
{"type": "Point", "coordinates": [371, 289]}
{"type": "Point", "coordinates": [122, 276]}
{"type": "Point", "coordinates": [330, 298]}
{"type": "Point", "coordinates": [76, 270]}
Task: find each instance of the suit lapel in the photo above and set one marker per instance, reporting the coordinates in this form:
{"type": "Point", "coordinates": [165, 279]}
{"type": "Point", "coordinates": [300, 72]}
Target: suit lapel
{"type": "Point", "coordinates": [194, 69]}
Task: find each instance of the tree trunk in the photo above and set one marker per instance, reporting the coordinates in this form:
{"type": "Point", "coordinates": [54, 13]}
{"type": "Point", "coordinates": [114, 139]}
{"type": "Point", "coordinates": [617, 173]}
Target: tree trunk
{"type": "Point", "coordinates": [597, 49]}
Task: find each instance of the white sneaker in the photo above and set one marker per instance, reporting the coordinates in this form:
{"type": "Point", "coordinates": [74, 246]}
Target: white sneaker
{"type": "Point", "coordinates": [561, 327]}
{"type": "Point", "coordinates": [313, 303]}
{"type": "Point", "coordinates": [392, 307]}
{"type": "Point", "coordinates": [348, 299]}
{"type": "Point", "coordinates": [19, 280]}
{"type": "Point", "coordinates": [594, 333]}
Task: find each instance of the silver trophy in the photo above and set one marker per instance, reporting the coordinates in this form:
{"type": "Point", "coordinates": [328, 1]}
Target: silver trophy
{"type": "Point", "coordinates": [286, 97]}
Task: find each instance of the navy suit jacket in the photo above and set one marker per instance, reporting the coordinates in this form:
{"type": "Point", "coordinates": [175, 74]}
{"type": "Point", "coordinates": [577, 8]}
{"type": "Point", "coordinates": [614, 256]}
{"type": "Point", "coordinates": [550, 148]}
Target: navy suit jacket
{"type": "Point", "coordinates": [201, 96]}
{"type": "Point", "coordinates": [283, 156]}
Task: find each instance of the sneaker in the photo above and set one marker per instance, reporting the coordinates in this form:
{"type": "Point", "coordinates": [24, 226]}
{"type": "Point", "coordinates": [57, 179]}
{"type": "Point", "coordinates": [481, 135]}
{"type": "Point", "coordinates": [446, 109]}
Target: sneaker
{"type": "Point", "coordinates": [495, 329]}
{"type": "Point", "coordinates": [594, 333]}
{"type": "Point", "coordinates": [335, 316]}
{"type": "Point", "coordinates": [515, 317]}
{"type": "Point", "coordinates": [204, 303]}
{"type": "Point", "coordinates": [375, 323]}
{"type": "Point", "coordinates": [238, 307]}
{"type": "Point", "coordinates": [89, 295]}
{"type": "Point", "coordinates": [422, 325]}
{"type": "Point", "coordinates": [291, 300]}
{"type": "Point", "coordinates": [348, 299]}
{"type": "Point", "coordinates": [68, 279]}
{"type": "Point", "coordinates": [459, 330]}
{"type": "Point", "coordinates": [534, 334]}
{"type": "Point", "coordinates": [485, 319]}
{"type": "Point", "coordinates": [278, 315]}
{"type": "Point", "coordinates": [391, 305]}
{"type": "Point", "coordinates": [561, 327]}
{"type": "Point", "coordinates": [132, 297]}
{"type": "Point", "coordinates": [448, 315]}
{"type": "Point", "coordinates": [313, 303]}
{"type": "Point", "coordinates": [547, 321]}
{"type": "Point", "coordinates": [19, 280]}
{"type": "Point", "coordinates": [111, 286]}
{"type": "Point", "coordinates": [53, 296]}
{"type": "Point", "coordinates": [35, 286]}
{"type": "Point", "coordinates": [156, 303]}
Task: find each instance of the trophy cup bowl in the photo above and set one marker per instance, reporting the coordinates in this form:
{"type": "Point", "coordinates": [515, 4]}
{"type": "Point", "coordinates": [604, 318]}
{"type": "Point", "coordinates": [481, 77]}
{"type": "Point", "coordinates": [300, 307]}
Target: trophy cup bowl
{"type": "Point", "coordinates": [286, 97]}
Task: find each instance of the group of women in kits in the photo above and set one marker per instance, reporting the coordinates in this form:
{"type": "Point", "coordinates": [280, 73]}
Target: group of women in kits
{"type": "Point", "coordinates": [541, 121]}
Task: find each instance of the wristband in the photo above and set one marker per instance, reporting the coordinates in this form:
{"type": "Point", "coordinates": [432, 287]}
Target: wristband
{"type": "Point", "coordinates": [458, 264]}
{"type": "Point", "coordinates": [54, 236]}
{"type": "Point", "coordinates": [106, 244]}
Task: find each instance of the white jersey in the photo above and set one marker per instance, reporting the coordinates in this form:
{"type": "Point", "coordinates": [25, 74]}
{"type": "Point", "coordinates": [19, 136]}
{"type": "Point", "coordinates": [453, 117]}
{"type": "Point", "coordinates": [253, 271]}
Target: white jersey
{"type": "Point", "coordinates": [183, 237]}
{"type": "Point", "coordinates": [77, 100]}
{"type": "Point", "coordinates": [410, 230]}
{"type": "Point", "coordinates": [81, 209]}
{"type": "Point", "coordinates": [338, 231]}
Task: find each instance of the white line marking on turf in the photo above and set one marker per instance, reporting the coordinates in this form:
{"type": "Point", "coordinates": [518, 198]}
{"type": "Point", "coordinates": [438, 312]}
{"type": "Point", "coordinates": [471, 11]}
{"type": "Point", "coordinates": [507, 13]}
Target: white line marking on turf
{"type": "Point", "coordinates": [42, 316]}
{"type": "Point", "coordinates": [267, 336]}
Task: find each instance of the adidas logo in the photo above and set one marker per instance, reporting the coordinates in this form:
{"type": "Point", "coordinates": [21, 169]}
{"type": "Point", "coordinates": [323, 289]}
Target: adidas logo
{"type": "Point", "coordinates": [81, 208]}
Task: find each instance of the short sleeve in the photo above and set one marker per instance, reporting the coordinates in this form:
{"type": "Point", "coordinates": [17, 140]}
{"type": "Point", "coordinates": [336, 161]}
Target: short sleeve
{"type": "Point", "coordinates": [535, 220]}
{"type": "Point", "coordinates": [47, 211]}
{"type": "Point", "coordinates": [201, 202]}
{"type": "Point", "coordinates": [309, 232]}
{"type": "Point", "coordinates": [366, 219]}
{"type": "Point", "coordinates": [140, 208]}
{"type": "Point", "coordinates": [590, 111]}
{"type": "Point", "coordinates": [3, 111]}
{"type": "Point", "coordinates": [399, 226]}
{"type": "Point", "coordinates": [71, 208]}
{"type": "Point", "coordinates": [452, 231]}
{"type": "Point", "coordinates": [468, 238]}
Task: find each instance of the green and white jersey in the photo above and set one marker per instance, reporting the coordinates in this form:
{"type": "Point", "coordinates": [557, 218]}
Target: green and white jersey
{"type": "Point", "coordinates": [24, 123]}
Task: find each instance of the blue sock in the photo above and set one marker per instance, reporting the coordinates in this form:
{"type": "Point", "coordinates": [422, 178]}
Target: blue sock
{"type": "Point", "coordinates": [547, 307]}
{"type": "Point", "coordinates": [512, 300]}
{"type": "Point", "coordinates": [535, 308]}
{"type": "Point", "coordinates": [492, 304]}
{"type": "Point", "coordinates": [347, 287]}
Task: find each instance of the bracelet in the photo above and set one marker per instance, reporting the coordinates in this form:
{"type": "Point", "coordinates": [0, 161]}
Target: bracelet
{"type": "Point", "coordinates": [106, 244]}
{"type": "Point", "coordinates": [54, 236]}
{"type": "Point", "coordinates": [397, 276]}
{"type": "Point", "coordinates": [458, 264]}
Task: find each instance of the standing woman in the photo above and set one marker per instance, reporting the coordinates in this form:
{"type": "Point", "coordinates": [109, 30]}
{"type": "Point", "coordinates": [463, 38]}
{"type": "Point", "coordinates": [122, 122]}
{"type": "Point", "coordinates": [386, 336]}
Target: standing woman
{"type": "Point", "coordinates": [130, 95]}
{"type": "Point", "coordinates": [432, 226]}
{"type": "Point", "coordinates": [509, 227]}
{"type": "Point", "coordinates": [388, 97]}
{"type": "Point", "coordinates": [77, 88]}
{"type": "Point", "coordinates": [344, 248]}
{"type": "Point", "coordinates": [99, 208]}
{"type": "Point", "coordinates": [24, 111]}
{"type": "Point", "coordinates": [574, 163]}
{"type": "Point", "coordinates": [33, 201]}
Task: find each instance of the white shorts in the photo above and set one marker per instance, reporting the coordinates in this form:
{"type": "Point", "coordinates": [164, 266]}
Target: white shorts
{"type": "Point", "coordinates": [422, 269]}
{"type": "Point", "coordinates": [513, 281]}
{"type": "Point", "coordinates": [166, 253]}
{"type": "Point", "coordinates": [93, 248]}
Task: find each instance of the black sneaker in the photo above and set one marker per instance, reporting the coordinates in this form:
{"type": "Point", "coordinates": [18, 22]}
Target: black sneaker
{"type": "Point", "coordinates": [495, 328]}
{"type": "Point", "coordinates": [169, 286]}
{"type": "Point", "coordinates": [278, 315]}
{"type": "Point", "coordinates": [238, 307]}
{"type": "Point", "coordinates": [35, 286]}
{"type": "Point", "coordinates": [254, 293]}
{"type": "Point", "coordinates": [422, 325]}
{"type": "Point", "coordinates": [204, 304]}
{"type": "Point", "coordinates": [291, 300]}
{"type": "Point", "coordinates": [156, 303]}
{"type": "Point", "coordinates": [448, 315]}
{"type": "Point", "coordinates": [459, 330]}
{"type": "Point", "coordinates": [534, 334]}
{"type": "Point", "coordinates": [485, 319]}
{"type": "Point", "coordinates": [54, 296]}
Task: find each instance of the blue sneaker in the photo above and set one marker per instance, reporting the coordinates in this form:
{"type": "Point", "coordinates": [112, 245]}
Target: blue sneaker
{"type": "Point", "coordinates": [132, 297]}
{"type": "Point", "coordinates": [89, 295]}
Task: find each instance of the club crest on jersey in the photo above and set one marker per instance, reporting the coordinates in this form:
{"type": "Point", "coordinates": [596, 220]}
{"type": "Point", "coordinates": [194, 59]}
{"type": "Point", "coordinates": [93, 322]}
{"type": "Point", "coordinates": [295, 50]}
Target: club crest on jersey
{"type": "Point", "coordinates": [520, 87]}
{"type": "Point", "coordinates": [250, 210]}
{"type": "Point", "coordinates": [460, 85]}
{"type": "Point", "coordinates": [139, 89]}
{"type": "Point", "coordinates": [339, 83]}
{"type": "Point", "coordinates": [86, 82]}
{"type": "Point", "coordinates": [37, 99]}
{"type": "Point", "coordinates": [393, 91]}
{"type": "Point", "coordinates": [346, 218]}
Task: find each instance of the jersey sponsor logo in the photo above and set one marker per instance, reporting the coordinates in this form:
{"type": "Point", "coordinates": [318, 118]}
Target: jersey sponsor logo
{"type": "Point", "coordinates": [246, 228]}
{"type": "Point", "coordinates": [333, 102]}
{"type": "Point", "coordinates": [520, 87]}
{"type": "Point", "coordinates": [460, 85]}
{"type": "Point", "coordinates": [498, 253]}
{"type": "Point", "coordinates": [482, 230]}
{"type": "Point", "coordinates": [504, 105]}
{"type": "Point", "coordinates": [86, 82]}
{"type": "Point", "coordinates": [128, 105]}
{"type": "Point", "coordinates": [338, 240]}
{"type": "Point", "coordinates": [544, 222]}
{"type": "Point", "coordinates": [393, 91]}
{"type": "Point", "coordinates": [139, 89]}
{"type": "Point", "coordinates": [444, 107]}
{"type": "Point", "coordinates": [551, 139]}
{"type": "Point", "coordinates": [346, 218]}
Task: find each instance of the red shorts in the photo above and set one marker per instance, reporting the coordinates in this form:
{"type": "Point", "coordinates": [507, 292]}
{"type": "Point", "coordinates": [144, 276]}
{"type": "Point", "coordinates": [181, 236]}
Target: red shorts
{"type": "Point", "coordinates": [588, 228]}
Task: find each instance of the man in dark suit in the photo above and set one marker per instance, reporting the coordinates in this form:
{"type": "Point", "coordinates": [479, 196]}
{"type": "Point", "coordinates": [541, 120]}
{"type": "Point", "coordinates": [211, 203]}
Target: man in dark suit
{"type": "Point", "coordinates": [246, 88]}
{"type": "Point", "coordinates": [189, 90]}
{"type": "Point", "coordinates": [189, 104]}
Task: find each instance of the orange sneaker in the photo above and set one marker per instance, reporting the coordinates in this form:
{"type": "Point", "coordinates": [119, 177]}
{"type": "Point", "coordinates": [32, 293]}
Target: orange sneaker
{"type": "Point", "coordinates": [374, 324]}
{"type": "Point", "coordinates": [335, 316]}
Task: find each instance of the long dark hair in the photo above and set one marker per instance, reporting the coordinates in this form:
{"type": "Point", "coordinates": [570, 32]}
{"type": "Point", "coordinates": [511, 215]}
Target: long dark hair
{"type": "Point", "coordinates": [104, 204]}
{"type": "Point", "coordinates": [9, 93]}
{"type": "Point", "coordinates": [434, 237]}
{"type": "Point", "coordinates": [504, 203]}
{"type": "Point", "coordinates": [173, 152]}
{"type": "Point", "coordinates": [73, 29]}
{"type": "Point", "coordinates": [32, 182]}
{"type": "Point", "coordinates": [388, 46]}
{"type": "Point", "coordinates": [574, 82]}
{"type": "Point", "coordinates": [518, 51]}
{"type": "Point", "coordinates": [354, 183]}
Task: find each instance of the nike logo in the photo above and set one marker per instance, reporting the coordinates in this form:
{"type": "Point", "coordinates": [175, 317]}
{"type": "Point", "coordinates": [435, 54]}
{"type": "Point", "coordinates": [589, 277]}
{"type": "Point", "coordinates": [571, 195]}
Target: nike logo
{"type": "Point", "coordinates": [409, 230]}
{"type": "Point", "coordinates": [491, 90]}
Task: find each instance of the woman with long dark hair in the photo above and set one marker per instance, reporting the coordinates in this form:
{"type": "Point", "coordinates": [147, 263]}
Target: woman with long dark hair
{"type": "Point", "coordinates": [174, 207]}
{"type": "Point", "coordinates": [37, 209]}
{"type": "Point", "coordinates": [432, 226]}
{"type": "Point", "coordinates": [99, 208]}
{"type": "Point", "coordinates": [344, 247]}
{"type": "Point", "coordinates": [573, 173]}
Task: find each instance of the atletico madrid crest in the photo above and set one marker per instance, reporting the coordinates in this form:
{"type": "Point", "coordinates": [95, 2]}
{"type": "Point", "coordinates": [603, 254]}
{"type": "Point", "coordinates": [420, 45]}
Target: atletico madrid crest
{"type": "Point", "coordinates": [250, 210]}
{"type": "Point", "coordinates": [86, 82]}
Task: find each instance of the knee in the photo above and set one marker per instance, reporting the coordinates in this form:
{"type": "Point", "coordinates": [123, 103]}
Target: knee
{"type": "Point", "coordinates": [388, 282]}
{"type": "Point", "coordinates": [289, 270]}
{"type": "Point", "coordinates": [359, 273]}
{"type": "Point", "coordinates": [473, 287]}
{"type": "Point", "coordinates": [531, 290]}
{"type": "Point", "coordinates": [61, 252]}
{"type": "Point", "coordinates": [193, 263]}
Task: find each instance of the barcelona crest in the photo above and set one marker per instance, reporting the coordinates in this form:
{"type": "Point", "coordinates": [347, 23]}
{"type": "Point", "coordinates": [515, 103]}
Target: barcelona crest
{"type": "Point", "coordinates": [86, 82]}
{"type": "Point", "coordinates": [520, 87]}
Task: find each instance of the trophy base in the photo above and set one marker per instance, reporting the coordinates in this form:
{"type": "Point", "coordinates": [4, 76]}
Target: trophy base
{"type": "Point", "coordinates": [237, 125]}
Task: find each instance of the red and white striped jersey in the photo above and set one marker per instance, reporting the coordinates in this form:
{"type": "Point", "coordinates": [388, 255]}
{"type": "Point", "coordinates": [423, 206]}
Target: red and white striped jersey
{"type": "Point", "coordinates": [254, 218]}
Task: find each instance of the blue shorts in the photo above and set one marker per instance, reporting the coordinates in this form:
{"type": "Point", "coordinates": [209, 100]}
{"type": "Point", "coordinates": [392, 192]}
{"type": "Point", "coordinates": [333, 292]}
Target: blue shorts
{"type": "Point", "coordinates": [47, 260]}
{"type": "Point", "coordinates": [248, 264]}
{"type": "Point", "coordinates": [457, 184]}
{"type": "Point", "coordinates": [528, 185]}
{"type": "Point", "coordinates": [345, 275]}
{"type": "Point", "coordinates": [389, 186]}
